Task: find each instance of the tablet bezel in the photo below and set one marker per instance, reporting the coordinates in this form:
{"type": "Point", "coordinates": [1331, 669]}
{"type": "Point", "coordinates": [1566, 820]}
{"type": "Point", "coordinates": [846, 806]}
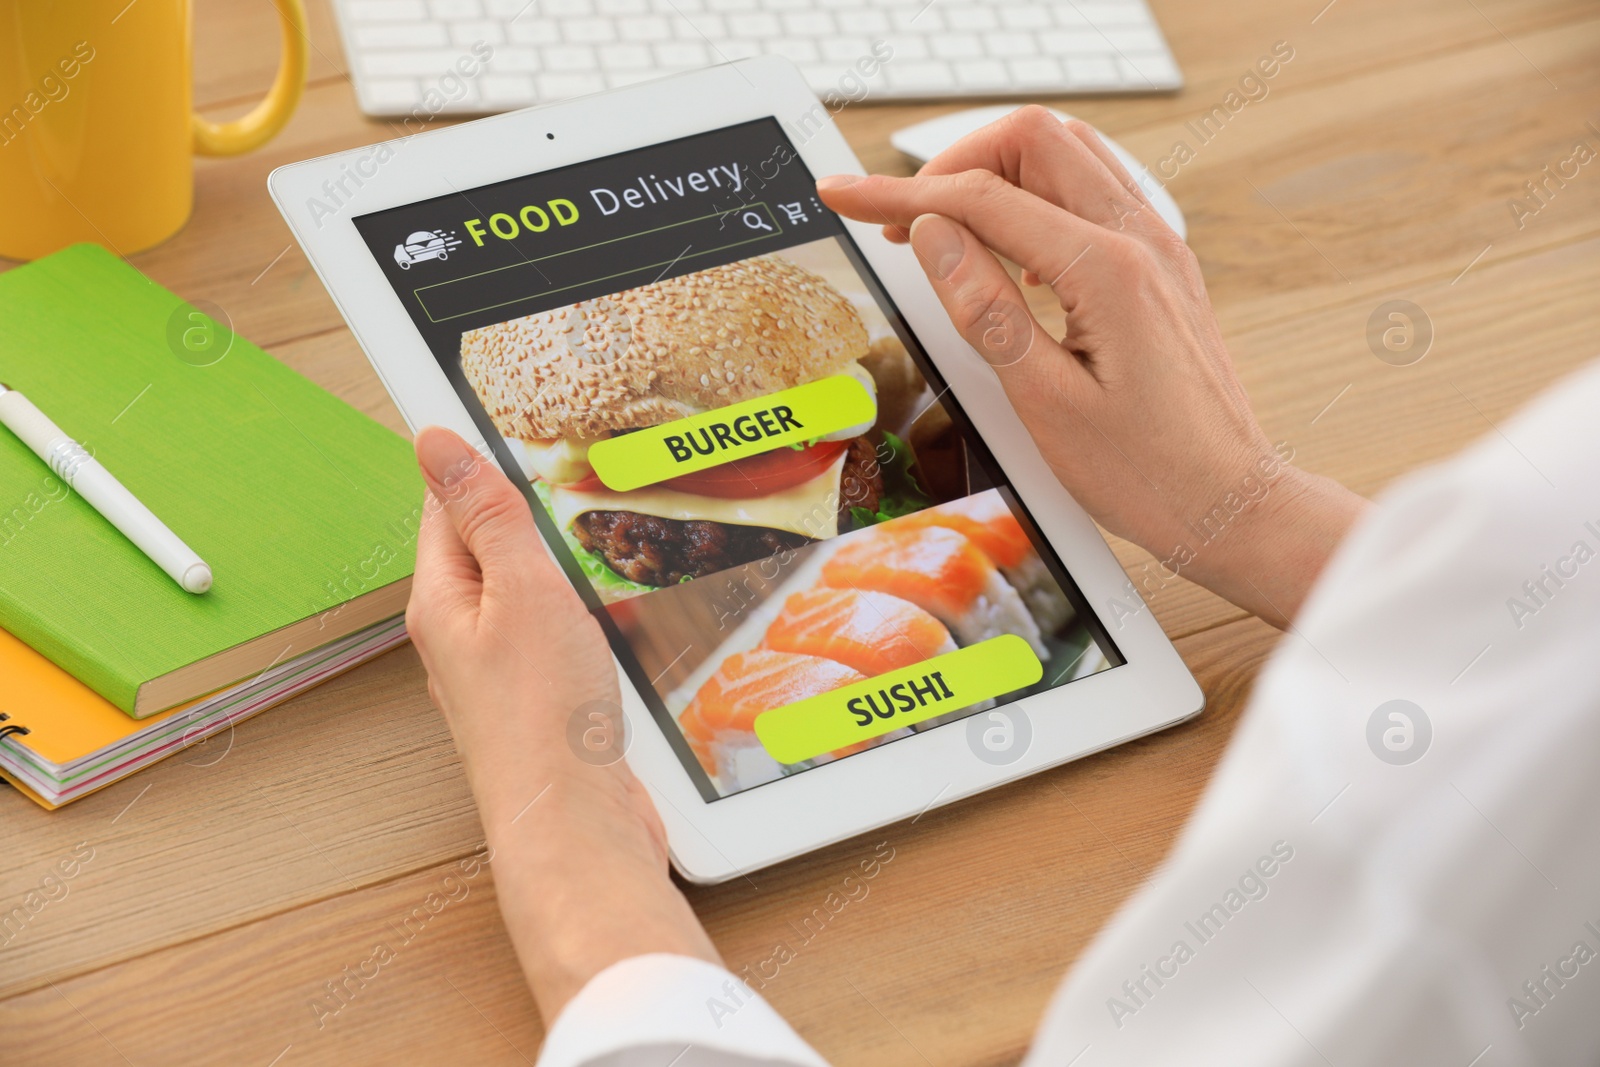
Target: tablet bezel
{"type": "Point", "coordinates": [715, 841]}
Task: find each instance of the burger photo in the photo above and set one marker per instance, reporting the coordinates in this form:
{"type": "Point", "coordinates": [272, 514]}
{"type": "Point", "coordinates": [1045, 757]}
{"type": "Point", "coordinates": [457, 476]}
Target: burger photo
{"type": "Point", "coordinates": [556, 382]}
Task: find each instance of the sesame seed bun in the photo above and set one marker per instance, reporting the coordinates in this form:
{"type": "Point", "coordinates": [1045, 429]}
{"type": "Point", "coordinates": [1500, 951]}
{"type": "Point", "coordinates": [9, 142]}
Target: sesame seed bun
{"type": "Point", "coordinates": [662, 351]}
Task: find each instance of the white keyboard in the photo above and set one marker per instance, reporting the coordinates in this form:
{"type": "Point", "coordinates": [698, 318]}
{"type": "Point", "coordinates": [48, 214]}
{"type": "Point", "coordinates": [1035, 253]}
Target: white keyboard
{"type": "Point", "coordinates": [401, 51]}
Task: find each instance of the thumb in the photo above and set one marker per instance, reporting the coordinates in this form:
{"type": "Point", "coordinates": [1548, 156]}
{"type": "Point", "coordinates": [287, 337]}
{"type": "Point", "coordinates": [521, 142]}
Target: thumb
{"type": "Point", "coordinates": [991, 314]}
{"type": "Point", "coordinates": [489, 515]}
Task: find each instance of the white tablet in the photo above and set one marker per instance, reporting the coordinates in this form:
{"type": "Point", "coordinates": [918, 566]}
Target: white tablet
{"type": "Point", "coordinates": [841, 585]}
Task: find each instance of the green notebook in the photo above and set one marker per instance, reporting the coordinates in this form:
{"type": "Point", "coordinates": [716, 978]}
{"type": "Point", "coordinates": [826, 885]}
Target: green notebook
{"type": "Point", "coordinates": [305, 509]}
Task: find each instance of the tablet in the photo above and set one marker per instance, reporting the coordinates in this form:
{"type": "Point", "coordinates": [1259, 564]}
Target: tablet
{"type": "Point", "coordinates": [840, 583]}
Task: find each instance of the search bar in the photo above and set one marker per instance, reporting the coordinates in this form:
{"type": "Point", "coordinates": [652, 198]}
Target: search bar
{"type": "Point", "coordinates": [661, 248]}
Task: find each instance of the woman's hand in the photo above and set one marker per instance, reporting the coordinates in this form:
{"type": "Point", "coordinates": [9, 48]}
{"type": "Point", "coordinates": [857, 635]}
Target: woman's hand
{"type": "Point", "coordinates": [1137, 410]}
{"type": "Point", "coordinates": [579, 856]}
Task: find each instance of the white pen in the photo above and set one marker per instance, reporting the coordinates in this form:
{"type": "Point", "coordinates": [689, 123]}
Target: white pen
{"type": "Point", "coordinates": [73, 465]}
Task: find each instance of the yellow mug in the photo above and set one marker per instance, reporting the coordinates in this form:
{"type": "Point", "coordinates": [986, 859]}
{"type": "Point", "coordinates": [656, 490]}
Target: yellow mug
{"type": "Point", "coordinates": [97, 134]}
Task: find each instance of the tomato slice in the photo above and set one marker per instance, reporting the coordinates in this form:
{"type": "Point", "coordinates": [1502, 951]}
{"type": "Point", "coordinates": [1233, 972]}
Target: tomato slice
{"type": "Point", "coordinates": [763, 475]}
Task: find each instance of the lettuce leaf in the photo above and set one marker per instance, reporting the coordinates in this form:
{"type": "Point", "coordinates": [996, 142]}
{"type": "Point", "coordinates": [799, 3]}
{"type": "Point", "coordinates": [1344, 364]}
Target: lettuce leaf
{"type": "Point", "coordinates": [610, 584]}
{"type": "Point", "coordinates": [901, 493]}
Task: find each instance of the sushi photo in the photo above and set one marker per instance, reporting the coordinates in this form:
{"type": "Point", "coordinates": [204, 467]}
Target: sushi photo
{"type": "Point", "coordinates": [829, 615]}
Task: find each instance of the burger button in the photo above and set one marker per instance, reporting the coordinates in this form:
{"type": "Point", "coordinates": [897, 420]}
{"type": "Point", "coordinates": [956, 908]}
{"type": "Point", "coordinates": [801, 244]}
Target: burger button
{"type": "Point", "coordinates": [794, 416]}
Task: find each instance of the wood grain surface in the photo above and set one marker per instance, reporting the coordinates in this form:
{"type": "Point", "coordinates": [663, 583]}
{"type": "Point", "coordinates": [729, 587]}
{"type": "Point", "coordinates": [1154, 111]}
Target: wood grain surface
{"type": "Point", "coordinates": [230, 886]}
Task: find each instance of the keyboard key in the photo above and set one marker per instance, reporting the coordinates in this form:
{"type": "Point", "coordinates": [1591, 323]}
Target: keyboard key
{"type": "Point", "coordinates": [400, 35]}
{"type": "Point", "coordinates": [732, 50]}
{"type": "Point", "coordinates": [700, 27]}
{"type": "Point", "coordinates": [955, 46]}
{"type": "Point", "coordinates": [981, 73]}
{"type": "Point", "coordinates": [588, 31]}
{"type": "Point", "coordinates": [563, 9]}
{"type": "Point", "coordinates": [758, 25]}
{"type": "Point", "coordinates": [534, 31]}
{"type": "Point", "coordinates": [1074, 42]}
{"type": "Point", "coordinates": [467, 34]}
{"type": "Point", "coordinates": [449, 10]}
{"type": "Point", "coordinates": [622, 7]}
{"type": "Point", "coordinates": [682, 54]}
{"type": "Point", "coordinates": [917, 77]}
{"type": "Point", "coordinates": [559, 86]}
{"type": "Point", "coordinates": [917, 19]}
{"type": "Point", "coordinates": [786, 5]}
{"type": "Point", "coordinates": [794, 49]}
{"type": "Point", "coordinates": [625, 57]}
{"type": "Point", "coordinates": [648, 28]}
{"type": "Point", "coordinates": [1107, 15]}
{"type": "Point", "coordinates": [419, 63]}
{"type": "Point", "coordinates": [1038, 73]}
{"type": "Point", "coordinates": [513, 60]}
{"type": "Point", "coordinates": [1024, 18]}
{"type": "Point", "coordinates": [389, 95]}
{"type": "Point", "coordinates": [731, 6]}
{"type": "Point", "coordinates": [970, 18]}
{"type": "Point", "coordinates": [808, 24]}
{"type": "Point", "coordinates": [1156, 68]}
{"type": "Point", "coordinates": [506, 10]}
{"type": "Point", "coordinates": [1009, 45]}
{"type": "Point", "coordinates": [515, 90]}
{"type": "Point", "coordinates": [386, 10]}
{"type": "Point", "coordinates": [464, 104]}
{"type": "Point", "coordinates": [908, 48]}
{"type": "Point", "coordinates": [569, 58]}
{"type": "Point", "coordinates": [846, 49]}
{"type": "Point", "coordinates": [863, 21]}
{"type": "Point", "coordinates": [1091, 72]}
{"type": "Point", "coordinates": [1134, 38]}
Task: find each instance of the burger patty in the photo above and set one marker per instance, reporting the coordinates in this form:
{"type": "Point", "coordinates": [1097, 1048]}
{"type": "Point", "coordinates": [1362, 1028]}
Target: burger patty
{"type": "Point", "coordinates": [654, 551]}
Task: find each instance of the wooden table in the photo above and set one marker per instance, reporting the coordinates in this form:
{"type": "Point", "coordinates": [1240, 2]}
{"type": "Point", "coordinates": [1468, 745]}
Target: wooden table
{"type": "Point", "coordinates": [228, 888]}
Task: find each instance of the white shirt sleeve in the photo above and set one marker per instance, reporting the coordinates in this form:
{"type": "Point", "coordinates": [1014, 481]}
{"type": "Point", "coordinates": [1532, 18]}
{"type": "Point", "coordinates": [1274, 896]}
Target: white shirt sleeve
{"type": "Point", "coordinates": [1331, 902]}
{"type": "Point", "coordinates": [1398, 860]}
{"type": "Point", "coordinates": [671, 1011]}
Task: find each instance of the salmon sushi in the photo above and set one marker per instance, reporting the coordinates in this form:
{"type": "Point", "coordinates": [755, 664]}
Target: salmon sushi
{"type": "Point", "coordinates": [870, 632]}
{"type": "Point", "coordinates": [942, 572]}
{"type": "Point", "coordinates": [720, 721]}
{"type": "Point", "coordinates": [988, 520]}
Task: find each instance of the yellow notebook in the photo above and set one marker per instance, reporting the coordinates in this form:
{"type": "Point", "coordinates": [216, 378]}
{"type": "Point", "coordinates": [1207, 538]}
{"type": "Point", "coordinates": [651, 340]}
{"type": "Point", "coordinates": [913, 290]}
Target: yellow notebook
{"type": "Point", "coordinates": [66, 719]}
{"type": "Point", "coordinates": [60, 740]}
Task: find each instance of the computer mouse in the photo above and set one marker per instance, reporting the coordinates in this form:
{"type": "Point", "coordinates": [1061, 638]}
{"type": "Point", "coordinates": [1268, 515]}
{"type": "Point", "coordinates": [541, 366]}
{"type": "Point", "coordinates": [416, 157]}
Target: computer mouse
{"type": "Point", "coordinates": [927, 139]}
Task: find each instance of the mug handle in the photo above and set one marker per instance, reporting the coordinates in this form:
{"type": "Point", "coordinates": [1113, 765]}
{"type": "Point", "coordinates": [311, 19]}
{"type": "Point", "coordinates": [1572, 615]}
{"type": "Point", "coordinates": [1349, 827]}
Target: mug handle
{"type": "Point", "coordinates": [255, 129]}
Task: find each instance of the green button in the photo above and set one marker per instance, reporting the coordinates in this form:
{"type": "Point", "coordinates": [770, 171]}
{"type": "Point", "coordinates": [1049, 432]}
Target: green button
{"type": "Point", "coordinates": [881, 705]}
{"type": "Point", "coordinates": [737, 431]}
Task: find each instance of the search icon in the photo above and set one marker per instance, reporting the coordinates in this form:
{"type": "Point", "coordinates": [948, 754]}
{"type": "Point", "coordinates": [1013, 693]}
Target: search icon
{"type": "Point", "coordinates": [754, 221]}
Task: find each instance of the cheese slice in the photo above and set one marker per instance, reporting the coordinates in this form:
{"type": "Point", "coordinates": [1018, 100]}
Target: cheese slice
{"type": "Point", "coordinates": [810, 509]}
{"type": "Point", "coordinates": [564, 459]}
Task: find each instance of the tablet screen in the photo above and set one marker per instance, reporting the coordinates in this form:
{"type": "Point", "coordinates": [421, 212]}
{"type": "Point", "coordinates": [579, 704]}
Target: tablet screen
{"type": "Point", "coordinates": [790, 532]}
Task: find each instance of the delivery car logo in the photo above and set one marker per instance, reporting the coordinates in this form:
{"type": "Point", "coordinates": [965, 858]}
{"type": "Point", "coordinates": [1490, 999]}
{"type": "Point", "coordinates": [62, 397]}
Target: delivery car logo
{"type": "Point", "coordinates": [425, 244]}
